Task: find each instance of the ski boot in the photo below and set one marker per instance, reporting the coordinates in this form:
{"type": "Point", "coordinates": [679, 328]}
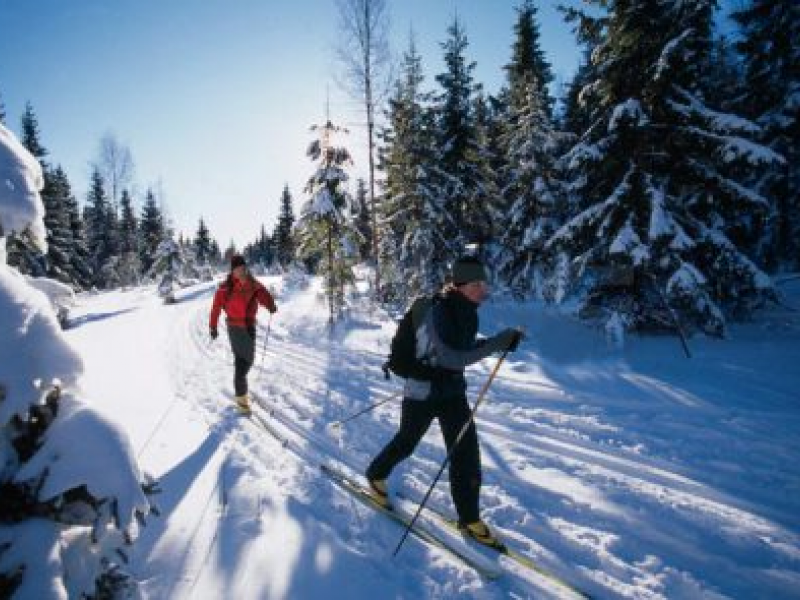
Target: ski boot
{"type": "Point", "coordinates": [379, 492]}
{"type": "Point", "coordinates": [243, 404]}
{"type": "Point", "coordinates": [480, 532]}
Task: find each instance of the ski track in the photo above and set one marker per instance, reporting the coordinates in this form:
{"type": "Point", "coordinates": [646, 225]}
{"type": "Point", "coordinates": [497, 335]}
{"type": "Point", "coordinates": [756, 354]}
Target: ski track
{"type": "Point", "coordinates": [563, 448]}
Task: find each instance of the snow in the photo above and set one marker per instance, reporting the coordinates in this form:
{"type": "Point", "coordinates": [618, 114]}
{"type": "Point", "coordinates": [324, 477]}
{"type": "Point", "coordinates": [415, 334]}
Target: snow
{"type": "Point", "coordinates": [20, 181]}
{"type": "Point", "coordinates": [628, 470]}
{"type": "Point", "coordinates": [70, 482]}
{"type": "Point", "coordinates": [631, 471]}
{"type": "Point", "coordinates": [629, 113]}
{"type": "Point", "coordinates": [103, 448]}
{"type": "Point", "coordinates": [627, 242]}
{"type": "Point", "coordinates": [32, 343]}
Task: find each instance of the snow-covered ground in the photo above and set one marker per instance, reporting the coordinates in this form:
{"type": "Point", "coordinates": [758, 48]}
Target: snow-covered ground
{"type": "Point", "coordinates": [633, 473]}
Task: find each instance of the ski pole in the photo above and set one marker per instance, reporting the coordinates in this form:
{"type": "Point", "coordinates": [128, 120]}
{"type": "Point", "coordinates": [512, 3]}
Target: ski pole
{"type": "Point", "coordinates": [264, 343]}
{"type": "Point", "coordinates": [364, 410]}
{"type": "Point", "coordinates": [674, 316]}
{"type": "Point", "coordinates": [447, 458]}
{"type": "Point", "coordinates": [264, 350]}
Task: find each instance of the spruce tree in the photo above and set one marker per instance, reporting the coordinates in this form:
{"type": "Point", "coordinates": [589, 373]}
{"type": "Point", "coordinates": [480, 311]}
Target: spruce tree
{"type": "Point", "coordinates": [530, 143]}
{"type": "Point", "coordinates": [659, 178]}
{"type": "Point", "coordinates": [577, 116]}
{"type": "Point", "coordinates": [414, 247]}
{"type": "Point", "coordinates": [56, 197]}
{"type": "Point", "coordinates": [203, 250]}
{"type": "Point", "coordinates": [362, 218]}
{"type": "Point", "coordinates": [282, 235]}
{"type": "Point", "coordinates": [771, 52]}
{"type": "Point", "coordinates": [101, 227]}
{"type": "Point", "coordinates": [535, 191]}
{"type": "Point", "coordinates": [130, 265]}
{"type": "Point", "coordinates": [324, 228]}
{"type": "Point", "coordinates": [528, 61]}
{"type": "Point", "coordinates": [30, 134]}
{"type": "Point", "coordinates": [457, 145]}
{"type": "Point", "coordinates": [487, 197]}
{"type": "Point", "coordinates": [80, 259]}
{"type": "Point", "coordinates": [261, 252]}
{"type": "Point", "coordinates": [152, 230]}
{"type": "Point", "coordinates": [168, 266]}
{"type": "Point", "coordinates": [724, 75]}
{"type": "Point", "coordinates": [24, 253]}
{"type": "Point", "coordinates": [128, 225]}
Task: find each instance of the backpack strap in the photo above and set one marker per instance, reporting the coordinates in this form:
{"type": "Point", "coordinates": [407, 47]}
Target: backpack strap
{"type": "Point", "coordinates": [419, 309]}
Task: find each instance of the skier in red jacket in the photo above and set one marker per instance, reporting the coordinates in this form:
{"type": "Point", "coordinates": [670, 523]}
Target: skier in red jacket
{"type": "Point", "coordinates": [239, 296]}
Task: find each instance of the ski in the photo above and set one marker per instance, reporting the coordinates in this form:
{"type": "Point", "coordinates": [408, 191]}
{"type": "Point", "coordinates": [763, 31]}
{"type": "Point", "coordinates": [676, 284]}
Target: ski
{"type": "Point", "coordinates": [264, 422]}
{"type": "Point", "coordinates": [361, 493]}
{"type": "Point", "coordinates": [505, 550]}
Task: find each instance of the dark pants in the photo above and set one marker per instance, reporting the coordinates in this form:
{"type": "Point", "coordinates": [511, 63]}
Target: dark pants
{"type": "Point", "coordinates": [465, 466]}
{"type": "Point", "coordinates": [243, 344]}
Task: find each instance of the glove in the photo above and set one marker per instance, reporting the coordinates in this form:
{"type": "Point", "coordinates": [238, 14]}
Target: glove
{"type": "Point", "coordinates": [213, 333]}
{"type": "Point", "coordinates": [512, 347]}
{"type": "Point", "coordinates": [508, 339]}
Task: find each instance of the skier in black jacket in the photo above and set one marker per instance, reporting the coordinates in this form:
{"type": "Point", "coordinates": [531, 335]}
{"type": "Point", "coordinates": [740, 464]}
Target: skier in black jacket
{"type": "Point", "coordinates": [446, 341]}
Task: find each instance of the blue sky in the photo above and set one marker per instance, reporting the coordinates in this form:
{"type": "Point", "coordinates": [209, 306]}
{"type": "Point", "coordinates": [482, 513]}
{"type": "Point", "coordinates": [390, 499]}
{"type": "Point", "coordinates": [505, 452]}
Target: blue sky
{"type": "Point", "coordinates": [214, 98]}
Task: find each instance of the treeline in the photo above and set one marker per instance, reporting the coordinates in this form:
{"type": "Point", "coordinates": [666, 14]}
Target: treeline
{"type": "Point", "coordinates": [662, 188]}
{"type": "Point", "coordinates": [105, 243]}
{"type": "Point", "coordinates": [665, 186]}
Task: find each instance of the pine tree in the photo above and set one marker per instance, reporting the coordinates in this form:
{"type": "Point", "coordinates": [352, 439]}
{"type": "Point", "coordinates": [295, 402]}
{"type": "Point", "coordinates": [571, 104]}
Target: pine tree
{"type": "Point", "coordinates": [168, 265]}
{"type": "Point", "coordinates": [456, 141]}
{"type": "Point", "coordinates": [771, 53]}
{"type": "Point", "coordinates": [530, 143]}
{"type": "Point", "coordinates": [56, 196]}
{"type": "Point", "coordinates": [659, 177]}
{"type": "Point", "coordinates": [130, 265]}
{"type": "Point", "coordinates": [414, 249]}
{"type": "Point", "coordinates": [362, 218]}
{"type": "Point", "coordinates": [323, 226]}
{"type": "Point", "coordinates": [577, 116]}
{"type": "Point", "coordinates": [128, 225]}
{"type": "Point", "coordinates": [152, 230]}
{"type": "Point", "coordinates": [30, 133]}
{"type": "Point", "coordinates": [282, 236]}
{"type": "Point", "coordinates": [528, 65]}
{"type": "Point", "coordinates": [261, 252]}
{"type": "Point", "coordinates": [80, 259]}
{"type": "Point", "coordinates": [102, 229]}
{"type": "Point", "coordinates": [724, 75]}
{"type": "Point", "coordinates": [24, 252]}
{"type": "Point", "coordinates": [535, 191]}
{"type": "Point", "coordinates": [487, 196]}
{"type": "Point", "coordinates": [203, 250]}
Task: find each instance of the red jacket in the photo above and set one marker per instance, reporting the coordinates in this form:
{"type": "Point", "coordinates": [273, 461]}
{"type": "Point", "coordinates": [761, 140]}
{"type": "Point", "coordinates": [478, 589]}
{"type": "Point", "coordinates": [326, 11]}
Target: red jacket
{"type": "Point", "coordinates": [240, 300]}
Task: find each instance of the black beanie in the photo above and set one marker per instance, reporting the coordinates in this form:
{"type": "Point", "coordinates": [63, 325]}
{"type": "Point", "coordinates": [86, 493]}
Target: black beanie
{"type": "Point", "coordinates": [467, 269]}
{"type": "Point", "coordinates": [237, 260]}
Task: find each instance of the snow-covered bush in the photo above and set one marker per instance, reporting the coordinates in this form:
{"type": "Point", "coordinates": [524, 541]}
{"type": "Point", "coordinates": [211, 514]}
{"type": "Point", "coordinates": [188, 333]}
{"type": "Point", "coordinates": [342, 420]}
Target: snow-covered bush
{"type": "Point", "coordinates": [296, 278]}
{"type": "Point", "coordinates": [70, 487]}
{"type": "Point", "coordinates": [60, 295]}
{"type": "Point", "coordinates": [168, 268]}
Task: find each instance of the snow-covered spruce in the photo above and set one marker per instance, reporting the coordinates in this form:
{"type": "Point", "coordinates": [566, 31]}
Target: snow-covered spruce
{"type": "Point", "coordinates": [168, 267]}
{"type": "Point", "coordinates": [325, 230]}
{"type": "Point", "coordinates": [663, 210]}
{"type": "Point", "coordinates": [70, 486]}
